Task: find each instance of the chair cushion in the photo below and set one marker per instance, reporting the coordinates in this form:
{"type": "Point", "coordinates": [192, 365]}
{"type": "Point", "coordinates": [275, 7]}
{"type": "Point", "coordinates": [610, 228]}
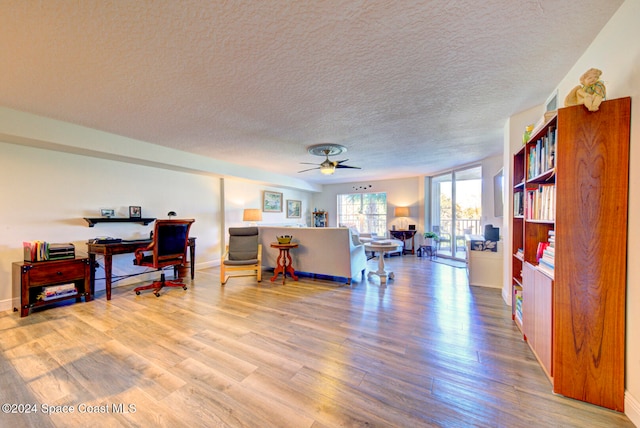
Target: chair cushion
{"type": "Point", "coordinates": [240, 262]}
{"type": "Point", "coordinates": [243, 243]}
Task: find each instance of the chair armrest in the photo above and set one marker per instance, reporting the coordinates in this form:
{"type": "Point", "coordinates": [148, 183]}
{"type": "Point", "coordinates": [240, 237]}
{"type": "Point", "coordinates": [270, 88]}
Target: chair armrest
{"type": "Point", "coordinates": [139, 253]}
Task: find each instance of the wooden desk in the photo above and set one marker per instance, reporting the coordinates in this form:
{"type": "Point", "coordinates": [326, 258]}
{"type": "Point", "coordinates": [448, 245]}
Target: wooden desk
{"type": "Point", "coordinates": [404, 236]}
{"type": "Point", "coordinates": [284, 263]}
{"type": "Point", "coordinates": [124, 247]}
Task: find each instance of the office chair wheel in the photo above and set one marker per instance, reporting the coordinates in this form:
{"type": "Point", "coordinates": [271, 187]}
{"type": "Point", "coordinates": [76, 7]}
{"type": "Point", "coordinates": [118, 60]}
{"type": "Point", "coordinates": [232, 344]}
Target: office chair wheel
{"type": "Point", "coordinates": [137, 293]}
{"type": "Point", "coordinates": [156, 293]}
{"type": "Point", "coordinates": [184, 288]}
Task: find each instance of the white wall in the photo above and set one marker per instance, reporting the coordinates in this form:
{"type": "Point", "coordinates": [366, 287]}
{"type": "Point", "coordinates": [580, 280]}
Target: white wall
{"type": "Point", "coordinates": [46, 194]}
{"type": "Point", "coordinates": [616, 52]}
{"type": "Point", "coordinates": [241, 194]}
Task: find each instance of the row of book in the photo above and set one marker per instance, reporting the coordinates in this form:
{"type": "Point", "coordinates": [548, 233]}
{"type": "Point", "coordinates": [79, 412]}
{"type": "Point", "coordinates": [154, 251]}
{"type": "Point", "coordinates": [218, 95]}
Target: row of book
{"type": "Point", "coordinates": [57, 291]}
{"type": "Point", "coordinates": [541, 203]}
{"type": "Point", "coordinates": [518, 302]}
{"type": "Point", "coordinates": [541, 156]}
{"type": "Point", "coordinates": [518, 205]}
{"type": "Point", "coordinates": [37, 251]}
{"type": "Point", "coordinates": [547, 254]}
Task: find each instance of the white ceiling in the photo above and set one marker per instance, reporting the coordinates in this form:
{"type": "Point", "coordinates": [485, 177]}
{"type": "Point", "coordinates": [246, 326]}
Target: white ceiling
{"type": "Point", "coordinates": [409, 87]}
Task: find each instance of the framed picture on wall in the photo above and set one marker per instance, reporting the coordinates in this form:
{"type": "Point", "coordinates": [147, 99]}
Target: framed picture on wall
{"type": "Point", "coordinates": [135, 212]}
{"type": "Point", "coordinates": [294, 208]}
{"type": "Point", "coordinates": [272, 202]}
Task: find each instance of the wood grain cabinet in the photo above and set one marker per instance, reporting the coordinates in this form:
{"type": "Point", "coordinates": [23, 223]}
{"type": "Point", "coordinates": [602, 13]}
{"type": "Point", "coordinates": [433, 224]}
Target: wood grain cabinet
{"type": "Point", "coordinates": [572, 190]}
{"type": "Point", "coordinates": [31, 279]}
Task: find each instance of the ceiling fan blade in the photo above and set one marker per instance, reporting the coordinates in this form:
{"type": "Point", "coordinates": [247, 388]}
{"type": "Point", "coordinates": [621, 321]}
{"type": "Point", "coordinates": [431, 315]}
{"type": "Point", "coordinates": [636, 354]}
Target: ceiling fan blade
{"type": "Point", "coordinates": [340, 161]}
{"type": "Point", "coordinates": [305, 170]}
{"type": "Point", "coordinates": [347, 166]}
{"type": "Point", "coordinates": [308, 163]}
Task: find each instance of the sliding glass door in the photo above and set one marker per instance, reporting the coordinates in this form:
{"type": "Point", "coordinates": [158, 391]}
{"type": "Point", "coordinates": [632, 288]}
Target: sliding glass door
{"type": "Point", "coordinates": [456, 201]}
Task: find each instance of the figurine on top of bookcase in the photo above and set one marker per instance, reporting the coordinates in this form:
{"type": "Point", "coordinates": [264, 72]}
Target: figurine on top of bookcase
{"type": "Point", "coordinates": [591, 93]}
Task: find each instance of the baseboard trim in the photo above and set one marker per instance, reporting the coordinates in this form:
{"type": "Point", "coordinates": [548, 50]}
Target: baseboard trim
{"type": "Point", "coordinates": [632, 408]}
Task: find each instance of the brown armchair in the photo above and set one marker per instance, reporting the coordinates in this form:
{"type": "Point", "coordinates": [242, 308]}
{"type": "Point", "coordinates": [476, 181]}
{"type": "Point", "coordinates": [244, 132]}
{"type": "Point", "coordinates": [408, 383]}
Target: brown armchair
{"type": "Point", "coordinates": [168, 248]}
{"type": "Point", "coordinates": [243, 253]}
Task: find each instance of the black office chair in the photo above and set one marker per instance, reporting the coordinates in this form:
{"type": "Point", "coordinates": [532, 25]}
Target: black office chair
{"type": "Point", "coordinates": [168, 248]}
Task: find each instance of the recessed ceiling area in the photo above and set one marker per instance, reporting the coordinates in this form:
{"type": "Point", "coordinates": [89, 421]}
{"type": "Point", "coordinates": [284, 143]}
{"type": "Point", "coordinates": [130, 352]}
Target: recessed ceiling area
{"type": "Point", "coordinates": [409, 88]}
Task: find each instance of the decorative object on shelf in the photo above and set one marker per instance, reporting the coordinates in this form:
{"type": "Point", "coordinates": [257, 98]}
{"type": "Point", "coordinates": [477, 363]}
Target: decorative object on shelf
{"type": "Point", "coordinates": [591, 92]}
{"type": "Point", "coordinates": [294, 209]}
{"type": "Point", "coordinates": [107, 212]}
{"type": "Point", "coordinates": [320, 219]}
{"type": "Point", "coordinates": [171, 214]}
{"type": "Point", "coordinates": [252, 215]}
{"type": "Point", "coordinates": [284, 239]}
{"type": "Point", "coordinates": [272, 202]}
{"type": "Point", "coordinates": [328, 167]}
{"type": "Point", "coordinates": [527, 133]}
{"type": "Point", "coordinates": [135, 212]}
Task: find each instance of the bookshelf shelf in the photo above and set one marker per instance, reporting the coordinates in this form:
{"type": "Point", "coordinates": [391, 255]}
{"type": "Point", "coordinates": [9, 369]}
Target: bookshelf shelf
{"type": "Point", "coordinates": [578, 197]}
{"type": "Point", "coordinates": [92, 221]}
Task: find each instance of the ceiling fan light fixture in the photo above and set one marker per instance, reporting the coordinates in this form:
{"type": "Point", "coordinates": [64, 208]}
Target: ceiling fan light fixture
{"type": "Point", "coordinates": [327, 169]}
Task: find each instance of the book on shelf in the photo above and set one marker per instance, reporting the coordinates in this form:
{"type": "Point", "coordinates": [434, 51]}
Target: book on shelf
{"type": "Point", "coordinates": [541, 155]}
{"type": "Point", "coordinates": [38, 251]}
{"type": "Point", "coordinates": [56, 291]}
{"type": "Point", "coordinates": [518, 302]}
{"type": "Point", "coordinates": [518, 206]}
{"type": "Point", "coordinates": [541, 202]}
{"type": "Point", "coordinates": [546, 261]}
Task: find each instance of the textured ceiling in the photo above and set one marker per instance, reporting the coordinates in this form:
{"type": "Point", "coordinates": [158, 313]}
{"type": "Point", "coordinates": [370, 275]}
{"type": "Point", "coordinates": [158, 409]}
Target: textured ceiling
{"type": "Point", "coordinates": [409, 87]}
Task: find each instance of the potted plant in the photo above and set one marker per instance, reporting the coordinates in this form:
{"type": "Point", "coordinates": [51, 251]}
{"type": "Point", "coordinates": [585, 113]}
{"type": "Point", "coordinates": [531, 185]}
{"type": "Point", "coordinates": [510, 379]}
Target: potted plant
{"type": "Point", "coordinates": [430, 237]}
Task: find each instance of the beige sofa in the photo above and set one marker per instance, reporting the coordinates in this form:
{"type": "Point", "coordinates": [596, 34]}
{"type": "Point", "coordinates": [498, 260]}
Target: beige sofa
{"type": "Point", "coordinates": [327, 251]}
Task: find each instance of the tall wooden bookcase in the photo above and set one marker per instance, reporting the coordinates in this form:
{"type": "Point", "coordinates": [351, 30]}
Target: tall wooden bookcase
{"type": "Point", "coordinates": [573, 316]}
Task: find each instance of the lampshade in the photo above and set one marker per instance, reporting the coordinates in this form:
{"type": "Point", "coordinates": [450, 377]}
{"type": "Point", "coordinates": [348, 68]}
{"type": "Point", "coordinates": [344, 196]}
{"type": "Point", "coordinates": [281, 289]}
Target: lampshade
{"type": "Point", "coordinates": [401, 212]}
{"type": "Point", "coordinates": [252, 214]}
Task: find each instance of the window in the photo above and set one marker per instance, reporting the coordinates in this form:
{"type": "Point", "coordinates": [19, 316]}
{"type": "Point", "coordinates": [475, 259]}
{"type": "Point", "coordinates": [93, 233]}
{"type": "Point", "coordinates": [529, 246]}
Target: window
{"type": "Point", "coordinates": [367, 212]}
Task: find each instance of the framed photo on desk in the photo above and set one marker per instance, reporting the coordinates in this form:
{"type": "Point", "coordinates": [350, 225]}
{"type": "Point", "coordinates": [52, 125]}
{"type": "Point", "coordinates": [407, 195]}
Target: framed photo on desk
{"type": "Point", "coordinates": [135, 212]}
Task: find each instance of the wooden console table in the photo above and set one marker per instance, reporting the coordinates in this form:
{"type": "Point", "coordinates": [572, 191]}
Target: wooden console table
{"type": "Point", "coordinates": [404, 236]}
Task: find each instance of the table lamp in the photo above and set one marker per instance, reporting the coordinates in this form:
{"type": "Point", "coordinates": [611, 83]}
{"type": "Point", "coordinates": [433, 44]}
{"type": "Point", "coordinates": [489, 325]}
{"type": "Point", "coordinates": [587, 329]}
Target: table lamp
{"type": "Point", "coordinates": [252, 215]}
{"type": "Point", "coordinates": [401, 212]}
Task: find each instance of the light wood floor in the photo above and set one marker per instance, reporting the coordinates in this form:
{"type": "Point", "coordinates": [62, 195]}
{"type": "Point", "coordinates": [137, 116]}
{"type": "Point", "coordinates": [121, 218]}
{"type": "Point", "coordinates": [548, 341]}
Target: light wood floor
{"type": "Point", "coordinates": [425, 350]}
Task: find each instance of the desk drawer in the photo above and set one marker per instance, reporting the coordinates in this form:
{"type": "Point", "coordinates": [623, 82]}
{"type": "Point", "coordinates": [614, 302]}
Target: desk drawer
{"type": "Point", "coordinates": [51, 273]}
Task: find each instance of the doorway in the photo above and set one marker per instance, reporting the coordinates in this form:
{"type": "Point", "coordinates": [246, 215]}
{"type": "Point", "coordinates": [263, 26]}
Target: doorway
{"type": "Point", "coordinates": [456, 200]}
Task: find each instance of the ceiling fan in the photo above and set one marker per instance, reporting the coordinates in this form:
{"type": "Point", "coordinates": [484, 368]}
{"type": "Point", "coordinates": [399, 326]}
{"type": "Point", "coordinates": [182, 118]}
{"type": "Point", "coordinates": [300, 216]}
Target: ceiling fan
{"type": "Point", "coordinates": [328, 167]}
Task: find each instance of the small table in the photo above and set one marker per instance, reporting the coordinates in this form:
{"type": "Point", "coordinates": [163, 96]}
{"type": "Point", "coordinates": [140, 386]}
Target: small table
{"type": "Point", "coordinates": [428, 249]}
{"type": "Point", "coordinates": [405, 236]}
{"type": "Point", "coordinates": [381, 248]}
{"type": "Point", "coordinates": [284, 263]}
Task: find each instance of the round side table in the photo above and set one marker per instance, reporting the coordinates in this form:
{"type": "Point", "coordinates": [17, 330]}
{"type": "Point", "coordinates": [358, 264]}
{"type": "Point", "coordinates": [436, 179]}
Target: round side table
{"type": "Point", "coordinates": [381, 248]}
{"type": "Point", "coordinates": [284, 263]}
